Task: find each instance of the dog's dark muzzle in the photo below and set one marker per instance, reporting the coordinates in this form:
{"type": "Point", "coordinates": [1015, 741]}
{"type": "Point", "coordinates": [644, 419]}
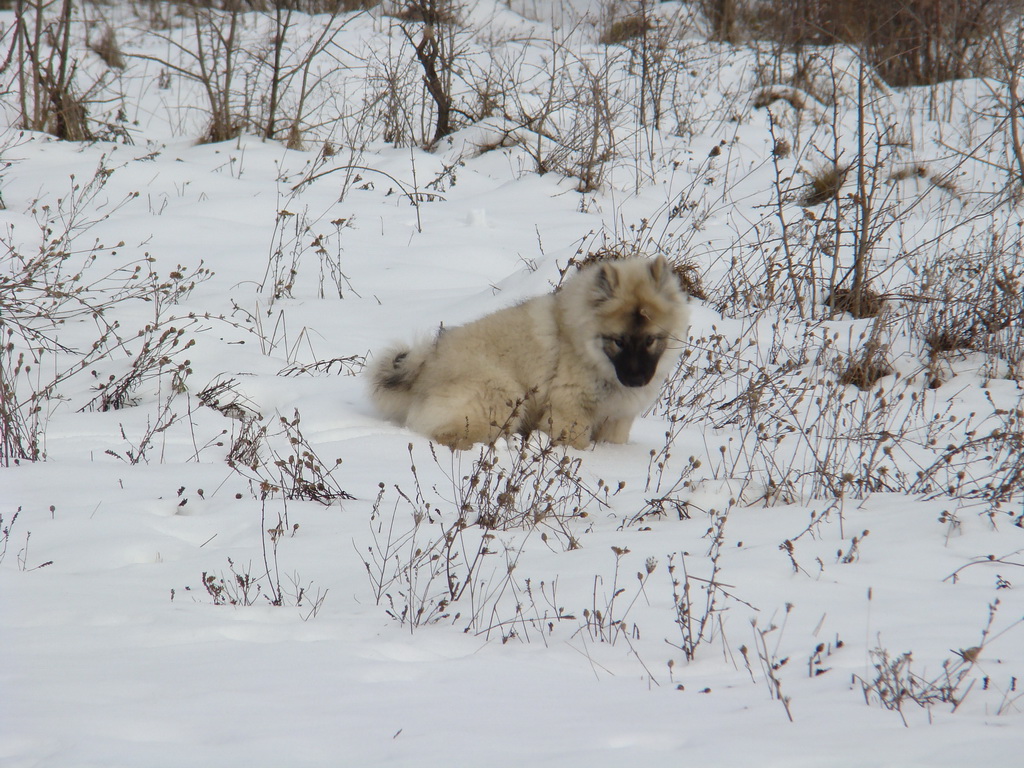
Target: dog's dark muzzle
{"type": "Point", "coordinates": [634, 365]}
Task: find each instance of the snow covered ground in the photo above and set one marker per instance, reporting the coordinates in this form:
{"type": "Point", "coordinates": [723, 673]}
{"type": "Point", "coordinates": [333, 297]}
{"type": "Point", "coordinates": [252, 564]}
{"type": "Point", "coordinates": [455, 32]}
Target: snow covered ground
{"type": "Point", "coordinates": [780, 568]}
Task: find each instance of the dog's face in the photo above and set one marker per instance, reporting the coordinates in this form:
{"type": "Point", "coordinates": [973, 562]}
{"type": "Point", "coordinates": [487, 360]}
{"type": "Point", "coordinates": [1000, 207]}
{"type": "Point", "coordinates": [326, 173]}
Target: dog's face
{"type": "Point", "coordinates": [637, 305]}
{"type": "Point", "coordinates": [635, 355]}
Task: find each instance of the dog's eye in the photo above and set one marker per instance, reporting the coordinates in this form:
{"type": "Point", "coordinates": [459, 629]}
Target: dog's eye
{"type": "Point", "coordinates": [614, 343]}
{"type": "Point", "coordinates": [651, 342]}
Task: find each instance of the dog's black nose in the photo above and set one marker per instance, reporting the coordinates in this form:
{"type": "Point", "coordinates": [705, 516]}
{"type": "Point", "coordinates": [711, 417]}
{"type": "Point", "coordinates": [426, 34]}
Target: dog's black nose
{"type": "Point", "coordinates": [634, 376]}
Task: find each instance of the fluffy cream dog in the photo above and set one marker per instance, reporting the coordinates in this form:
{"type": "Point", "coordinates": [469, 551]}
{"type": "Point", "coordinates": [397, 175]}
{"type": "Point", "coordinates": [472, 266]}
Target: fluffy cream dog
{"type": "Point", "coordinates": [579, 364]}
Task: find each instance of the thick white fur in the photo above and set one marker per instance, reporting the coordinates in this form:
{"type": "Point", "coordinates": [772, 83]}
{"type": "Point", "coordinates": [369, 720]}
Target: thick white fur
{"type": "Point", "coordinates": [537, 365]}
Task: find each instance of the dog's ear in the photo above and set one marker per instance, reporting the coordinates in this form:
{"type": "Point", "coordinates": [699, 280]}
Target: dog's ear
{"type": "Point", "coordinates": [660, 270]}
{"type": "Point", "coordinates": [606, 283]}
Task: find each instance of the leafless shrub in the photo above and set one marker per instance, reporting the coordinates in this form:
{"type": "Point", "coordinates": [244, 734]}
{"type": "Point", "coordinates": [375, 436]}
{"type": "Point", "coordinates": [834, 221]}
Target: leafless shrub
{"type": "Point", "coordinates": [830, 248]}
{"type": "Point", "coordinates": [813, 530]}
{"type": "Point", "coordinates": [493, 84]}
{"type": "Point", "coordinates": [419, 569]}
{"type": "Point", "coordinates": [670, 491]}
{"type": "Point", "coordinates": [662, 58]}
{"type": "Point", "coordinates": [222, 395]}
{"type": "Point", "coordinates": [769, 661]}
{"type": "Point", "coordinates": [945, 184]}
{"type": "Point", "coordinates": [45, 70]}
{"type": "Point", "coordinates": [296, 234]}
{"type": "Point", "coordinates": [910, 42]}
{"type": "Point", "coordinates": [698, 600]}
{"type": "Point", "coordinates": [971, 300]}
{"type": "Point", "coordinates": [58, 280]}
{"type": "Point", "coordinates": [991, 560]}
{"type": "Point", "coordinates": [566, 115]}
{"type": "Point", "coordinates": [1008, 63]}
{"type": "Point", "coordinates": [865, 368]}
{"type": "Point", "coordinates": [293, 472]}
{"type": "Point", "coordinates": [209, 54]}
{"type": "Point", "coordinates": [156, 355]}
{"type": "Point", "coordinates": [391, 102]}
{"type": "Point", "coordinates": [987, 463]}
{"type": "Point", "coordinates": [436, 52]}
{"type": "Point", "coordinates": [796, 431]}
{"type": "Point", "coordinates": [241, 588]}
{"type": "Point", "coordinates": [314, 7]}
{"type": "Point", "coordinates": [521, 609]}
{"type": "Point", "coordinates": [851, 554]}
{"type": "Point", "coordinates": [350, 365]}
{"type": "Point", "coordinates": [894, 683]}
{"type": "Point", "coordinates": [587, 141]}
{"type": "Point", "coordinates": [691, 279]}
{"type": "Point", "coordinates": [528, 486]}
{"type": "Point", "coordinates": [793, 398]}
{"type": "Point", "coordinates": [137, 449]}
{"type": "Point", "coordinates": [247, 443]}
{"type": "Point", "coordinates": [722, 17]}
{"type": "Point", "coordinates": [269, 85]}
{"type": "Point", "coordinates": [605, 621]}
{"type": "Point", "coordinates": [394, 563]}
{"type": "Point", "coordinates": [5, 532]}
{"type": "Point", "coordinates": [20, 426]}
{"type": "Point", "coordinates": [155, 14]}
{"type": "Point", "coordinates": [291, 66]}
{"type": "Point", "coordinates": [51, 286]}
{"type": "Point", "coordinates": [426, 11]}
{"type": "Point", "coordinates": [442, 564]}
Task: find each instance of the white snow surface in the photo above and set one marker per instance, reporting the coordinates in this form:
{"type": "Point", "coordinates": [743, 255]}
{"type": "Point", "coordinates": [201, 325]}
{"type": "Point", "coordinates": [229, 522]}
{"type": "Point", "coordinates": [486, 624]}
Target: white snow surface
{"type": "Point", "coordinates": [114, 653]}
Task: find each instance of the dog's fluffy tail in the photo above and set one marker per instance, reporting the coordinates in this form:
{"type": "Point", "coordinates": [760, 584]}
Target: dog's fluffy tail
{"type": "Point", "coordinates": [392, 376]}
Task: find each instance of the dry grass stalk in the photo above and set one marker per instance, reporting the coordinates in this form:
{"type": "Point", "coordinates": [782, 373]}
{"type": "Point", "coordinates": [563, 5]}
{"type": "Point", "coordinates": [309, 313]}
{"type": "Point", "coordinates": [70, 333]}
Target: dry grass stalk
{"type": "Point", "coordinates": [627, 28]}
{"type": "Point", "coordinates": [825, 184]}
{"type": "Point", "coordinates": [108, 49]}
